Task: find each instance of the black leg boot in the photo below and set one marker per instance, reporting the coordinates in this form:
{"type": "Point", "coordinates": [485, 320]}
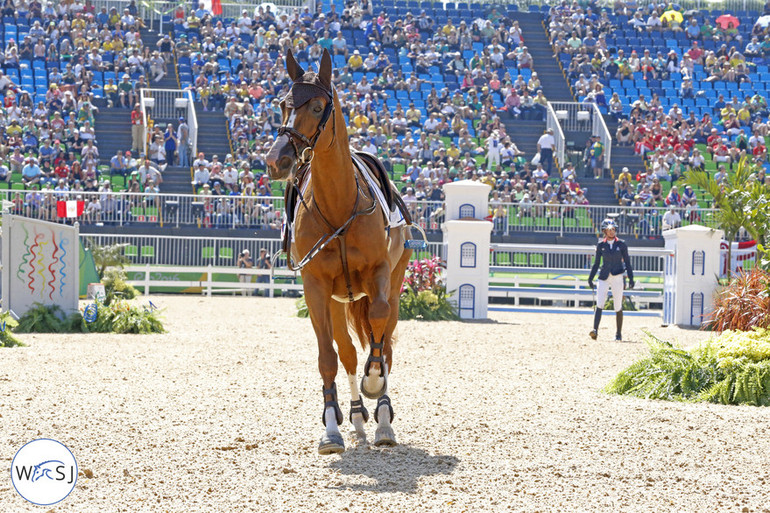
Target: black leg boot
{"type": "Point", "coordinates": [597, 318]}
{"type": "Point", "coordinates": [619, 322]}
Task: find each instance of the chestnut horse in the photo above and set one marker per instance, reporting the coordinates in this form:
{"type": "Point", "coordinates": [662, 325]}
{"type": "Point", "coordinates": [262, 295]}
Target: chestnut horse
{"type": "Point", "coordinates": [352, 263]}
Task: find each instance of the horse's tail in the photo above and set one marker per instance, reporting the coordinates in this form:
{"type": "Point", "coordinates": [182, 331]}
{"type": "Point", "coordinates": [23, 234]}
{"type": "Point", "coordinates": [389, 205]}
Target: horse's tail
{"type": "Point", "coordinates": [358, 320]}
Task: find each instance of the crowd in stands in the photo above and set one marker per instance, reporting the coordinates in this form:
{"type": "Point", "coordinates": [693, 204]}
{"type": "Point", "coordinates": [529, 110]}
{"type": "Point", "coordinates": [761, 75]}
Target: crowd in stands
{"type": "Point", "coordinates": [429, 94]}
{"type": "Point", "coordinates": [687, 89]}
{"type": "Point", "coordinates": [429, 97]}
{"type": "Point", "coordinates": [61, 60]}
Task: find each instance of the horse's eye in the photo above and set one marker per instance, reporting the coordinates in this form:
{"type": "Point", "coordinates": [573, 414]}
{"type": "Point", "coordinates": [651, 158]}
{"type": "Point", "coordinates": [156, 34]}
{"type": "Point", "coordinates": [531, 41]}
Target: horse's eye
{"type": "Point", "coordinates": [317, 109]}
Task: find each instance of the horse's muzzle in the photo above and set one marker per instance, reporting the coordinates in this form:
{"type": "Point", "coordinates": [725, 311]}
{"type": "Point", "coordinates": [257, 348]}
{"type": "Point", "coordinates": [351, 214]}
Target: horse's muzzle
{"type": "Point", "coordinates": [280, 159]}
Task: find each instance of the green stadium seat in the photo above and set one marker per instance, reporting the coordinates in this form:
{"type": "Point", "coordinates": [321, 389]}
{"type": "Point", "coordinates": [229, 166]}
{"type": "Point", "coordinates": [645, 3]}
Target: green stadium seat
{"type": "Point", "coordinates": [148, 251]}
{"type": "Point", "coordinates": [207, 252]}
{"type": "Point", "coordinates": [131, 251]}
{"type": "Point", "coordinates": [226, 253]}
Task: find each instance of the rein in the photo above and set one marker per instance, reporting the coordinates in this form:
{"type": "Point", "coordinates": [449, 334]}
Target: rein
{"type": "Point", "coordinates": [305, 157]}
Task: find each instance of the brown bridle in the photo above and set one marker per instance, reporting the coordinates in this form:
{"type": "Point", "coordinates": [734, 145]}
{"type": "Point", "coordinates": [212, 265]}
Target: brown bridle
{"type": "Point", "coordinates": [305, 156]}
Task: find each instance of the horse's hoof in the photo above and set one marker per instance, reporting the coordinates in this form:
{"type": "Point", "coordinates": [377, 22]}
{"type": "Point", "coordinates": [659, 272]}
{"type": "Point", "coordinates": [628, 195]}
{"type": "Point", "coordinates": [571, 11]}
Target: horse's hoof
{"type": "Point", "coordinates": [358, 438]}
{"type": "Point", "coordinates": [384, 437]}
{"type": "Point", "coordinates": [376, 394]}
{"type": "Point", "coordinates": [331, 444]}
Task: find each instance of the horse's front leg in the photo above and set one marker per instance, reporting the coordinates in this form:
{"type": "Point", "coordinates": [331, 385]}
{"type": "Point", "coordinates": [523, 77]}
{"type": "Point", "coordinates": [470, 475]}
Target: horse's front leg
{"type": "Point", "coordinates": [317, 297]}
{"type": "Point", "coordinates": [375, 381]}
{"type": "Point", "coordinates": [374, 384]}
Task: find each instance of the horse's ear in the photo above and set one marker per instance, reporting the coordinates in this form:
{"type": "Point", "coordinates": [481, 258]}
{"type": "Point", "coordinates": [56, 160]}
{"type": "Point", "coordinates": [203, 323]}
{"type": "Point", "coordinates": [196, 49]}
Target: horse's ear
{"type": "Point", "coordinates": [325, 71]}
{"type": "Point", "coordinates": [294, 69]}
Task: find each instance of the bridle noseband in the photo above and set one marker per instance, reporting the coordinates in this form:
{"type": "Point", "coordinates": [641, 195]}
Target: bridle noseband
{"type": "Point", "coordinates": [305, 156]}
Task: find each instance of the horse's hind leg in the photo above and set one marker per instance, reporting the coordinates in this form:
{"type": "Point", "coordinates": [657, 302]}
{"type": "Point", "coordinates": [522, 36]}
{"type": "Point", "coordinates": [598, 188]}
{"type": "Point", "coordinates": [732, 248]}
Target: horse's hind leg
{"type": "Point", "coordinates": [347, 351]}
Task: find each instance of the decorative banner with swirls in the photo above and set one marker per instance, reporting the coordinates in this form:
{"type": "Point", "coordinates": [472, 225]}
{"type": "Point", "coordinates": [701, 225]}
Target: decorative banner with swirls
{"type": "Point", "coordinates": [43, 263]}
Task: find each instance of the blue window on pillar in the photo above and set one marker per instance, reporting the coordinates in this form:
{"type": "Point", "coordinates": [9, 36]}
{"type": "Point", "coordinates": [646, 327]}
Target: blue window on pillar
{"type": "Point", "coordinates": [698, 263]}
{"type": "Point", "coordinates": [696, 308]}
{"type": "Point", "coordinates": [467, 303]}
{"type": "Point", "coordinates": [467, 211]}
{"type": "Point", "coordinates": [467, 254]}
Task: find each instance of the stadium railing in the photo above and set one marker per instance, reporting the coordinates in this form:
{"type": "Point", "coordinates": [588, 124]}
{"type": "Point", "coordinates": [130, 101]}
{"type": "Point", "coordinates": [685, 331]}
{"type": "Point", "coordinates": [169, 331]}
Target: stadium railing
{"type": "Point", "coordinates": [552, 122]}
{"type": "Point", "coordinates": [600, 128]}
{"type": "Point", "coordinates": [584, 117]}
{"type": "Point", "coordinates": [266, 212]}
{"type": "Point", "coordinates": [167, 105]}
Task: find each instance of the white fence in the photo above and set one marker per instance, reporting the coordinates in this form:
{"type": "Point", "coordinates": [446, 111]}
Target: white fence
{"type": "Point", "coordinates": [559, 274]}
{"type": "Point", "coordinates": [167, 105]}
{"type": "Point", "coordinates": [212, 281]}
{"type": "Point", "coordinates": [167, 250]}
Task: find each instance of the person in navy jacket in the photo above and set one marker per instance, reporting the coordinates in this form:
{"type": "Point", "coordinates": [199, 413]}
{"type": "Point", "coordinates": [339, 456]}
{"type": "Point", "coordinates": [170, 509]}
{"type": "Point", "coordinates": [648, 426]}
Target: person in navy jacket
{"type": "Point", "coordinates": [612, 255]}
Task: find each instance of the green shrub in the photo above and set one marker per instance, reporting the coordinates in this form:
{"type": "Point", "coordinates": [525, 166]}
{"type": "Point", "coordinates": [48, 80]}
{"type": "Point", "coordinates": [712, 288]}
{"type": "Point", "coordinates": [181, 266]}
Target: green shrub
{"type": "Point", "coordinates": [426, 305]}
{"type": "Point", "coordinates": [7, 339]}
{"type": "Point", "coordinates": [302, 311]}
{"type": "Point", "coordinates": [118, 317]}
{"type": "Point", "coordinates": [733, 368]}
{"type": "Point", "coordinates": [115, 286]}
{"type": "Point", "coordinates": [423, 293]}
{"type": "Point", "coordinates": [46, 319]}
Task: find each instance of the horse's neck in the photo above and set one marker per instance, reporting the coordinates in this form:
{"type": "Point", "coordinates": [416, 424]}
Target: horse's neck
{"type": "Point", "coordinates": [333, 175]}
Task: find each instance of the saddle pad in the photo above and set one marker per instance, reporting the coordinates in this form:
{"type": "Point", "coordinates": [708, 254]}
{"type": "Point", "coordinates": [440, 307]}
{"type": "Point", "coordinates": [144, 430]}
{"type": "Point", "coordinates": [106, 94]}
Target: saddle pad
{"type": "Point", "coordinates": [394, 218]}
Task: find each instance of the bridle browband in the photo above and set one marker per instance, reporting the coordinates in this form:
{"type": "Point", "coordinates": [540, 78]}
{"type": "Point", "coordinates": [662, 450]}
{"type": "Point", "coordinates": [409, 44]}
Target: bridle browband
{"type": "Point", "coordinates": [306, 154]}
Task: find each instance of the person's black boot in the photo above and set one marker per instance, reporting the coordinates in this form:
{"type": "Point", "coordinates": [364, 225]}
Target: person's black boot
{"type": "Point", "coordinates": [619, 323]}
{"type": "Point", "coordinates": [597, 318]}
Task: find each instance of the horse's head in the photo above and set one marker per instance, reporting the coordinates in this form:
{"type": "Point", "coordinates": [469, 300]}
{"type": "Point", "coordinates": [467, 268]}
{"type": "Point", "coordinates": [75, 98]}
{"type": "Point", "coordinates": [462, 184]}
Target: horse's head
{"type": "Point", "coordinates": [305, 112]}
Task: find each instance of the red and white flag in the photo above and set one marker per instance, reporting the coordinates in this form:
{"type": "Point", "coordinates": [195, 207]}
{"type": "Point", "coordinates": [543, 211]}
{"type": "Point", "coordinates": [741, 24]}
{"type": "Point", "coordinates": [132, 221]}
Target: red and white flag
{"type": "Point", "coordinates": [215, 6]}
{"type": "Point", "coordinates": [70, 208]}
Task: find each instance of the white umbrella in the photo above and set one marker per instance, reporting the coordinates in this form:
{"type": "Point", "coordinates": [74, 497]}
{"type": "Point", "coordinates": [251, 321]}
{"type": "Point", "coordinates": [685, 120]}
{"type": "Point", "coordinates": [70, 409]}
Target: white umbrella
{"type": "Point", "coordinates": [763, 21]}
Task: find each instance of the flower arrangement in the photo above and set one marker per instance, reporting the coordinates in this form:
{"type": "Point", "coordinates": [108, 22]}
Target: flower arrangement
{"type": "Point", "coordinates": [423, 292]}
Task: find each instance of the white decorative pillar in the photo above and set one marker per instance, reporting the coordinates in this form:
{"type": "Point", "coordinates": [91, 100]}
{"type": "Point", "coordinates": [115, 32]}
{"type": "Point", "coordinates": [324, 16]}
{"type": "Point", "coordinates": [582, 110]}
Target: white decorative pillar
{"type": "Point", "coordinates": [466, 244]}
{"type": "Point", "coordinates": [690, 275]}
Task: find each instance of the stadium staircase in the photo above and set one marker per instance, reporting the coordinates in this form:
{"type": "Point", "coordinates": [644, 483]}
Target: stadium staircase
{"type": "Point", "coordinates": [557, 89]}
{"type": "Point", "coordinates": [113, 133]}
{"type": "Point", "coordinates": [213, 136]}
{"type": "Point", "coordinates": [547, 67]}
{"type": "Point", "coordinates": [169, 81]}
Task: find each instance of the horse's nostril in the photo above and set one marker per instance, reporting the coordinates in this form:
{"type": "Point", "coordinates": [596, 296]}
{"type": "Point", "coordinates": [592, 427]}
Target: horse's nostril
{"type": "Point", "coordinates": [284, 163]}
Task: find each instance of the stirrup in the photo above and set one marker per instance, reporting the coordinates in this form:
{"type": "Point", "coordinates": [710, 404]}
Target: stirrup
{"type": "Point", "coordinates": [375, 359]}
{"type": "Point", "coordinates": [383, 400]}
{"type": "Point", "coordinates": [333, 403]}
{"type": "Point", "coordinates": [358, 407]}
